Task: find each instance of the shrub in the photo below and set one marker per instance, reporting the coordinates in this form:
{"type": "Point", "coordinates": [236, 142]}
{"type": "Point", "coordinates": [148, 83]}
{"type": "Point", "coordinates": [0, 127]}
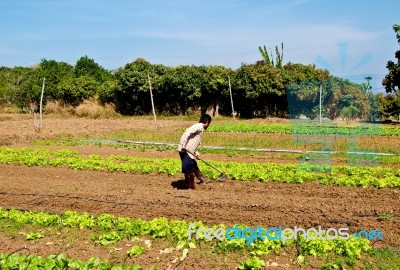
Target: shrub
{"type": "Point", "coordinates": [93, 109]}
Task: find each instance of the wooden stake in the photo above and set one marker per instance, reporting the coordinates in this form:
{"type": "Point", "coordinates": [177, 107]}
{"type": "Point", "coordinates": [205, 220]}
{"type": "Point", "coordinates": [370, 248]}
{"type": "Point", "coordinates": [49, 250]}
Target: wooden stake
{"type": "Point", "coordinates": [230, 93]}
{"type": "Point", "coordinates": [152, 102]}
{"type": "Point", "coordinates": [320, 104]}
{"type": "Point", "coordinates": [38, 127]}
{"type": "Point", "coordinates": [41, 105]}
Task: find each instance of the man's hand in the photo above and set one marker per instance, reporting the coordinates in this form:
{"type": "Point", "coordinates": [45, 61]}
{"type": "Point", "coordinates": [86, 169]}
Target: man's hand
{"type": "Point", "coordinates": [197, 155]}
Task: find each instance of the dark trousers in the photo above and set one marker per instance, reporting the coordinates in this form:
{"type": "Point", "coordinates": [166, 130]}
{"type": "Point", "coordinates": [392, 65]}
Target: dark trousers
{"type": "Point", "coordinates": [189, 165]}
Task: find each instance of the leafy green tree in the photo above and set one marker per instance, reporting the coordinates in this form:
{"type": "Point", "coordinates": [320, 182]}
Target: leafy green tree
{"type": "Point", "coordinates": [10, 81]}
{"type": "Point", "coordinates": [29, 90]}
{"type": "Point", "coordinates": [86, 66]}
{"type": "Point", "coordinates": [107, 91]}
{"type": "Point", "coordinates": [31, 85]}
{"type": "Point", "coordinates": [5, 74]}
{"type": "Point", "coordinates": [303, 84]}
{"type": "Point", "coordinates": [88, 79]}
{"type": "Point", "coordinates": [391, 82]}
{"type": "Point", "coordinates": [303, 98]}
{"type": "Point", "coordinates": [349, 112]}
{"type": "Point", "coordinates": [259, 91]}
{"type": "Point", "coordinates": [375, 113]}
{"type": "Point", "coordinates": [54, 72]}
{"type": "Point", "coordinates": [133, 96]}
{"type": "Point", "coordinates": [269, 59]}
{"type": "Point", "coordinates": [73, 90]}
{"type": "Point", "coordinates": [347, 94]}
{"type": "Point", "coordinates": [215, 90]}
{"type": "Point", "coordinates": [296, 72]}
{"type": "Point", "coordinates": [183, 86]}
{"type": "Point", "coordinates": [389, 105]}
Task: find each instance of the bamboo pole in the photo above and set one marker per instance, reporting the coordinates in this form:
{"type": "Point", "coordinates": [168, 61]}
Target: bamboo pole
{"type": "Point", "coordinates": [320, 104]}
{"type": "Point", "coordinates": [230, 93]}
{"type": "Point", "coordinates": [152, 102]}
{"type": "Point", "coordinates": [41, 104]}
{"type": "Point", "coordinates": [39, 126]}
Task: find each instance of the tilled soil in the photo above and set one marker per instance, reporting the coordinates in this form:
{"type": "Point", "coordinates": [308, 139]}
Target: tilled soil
{"type": "Point", "coordinates": [149, 196]}
{"type": "Point", "coordinates": [250, 203]}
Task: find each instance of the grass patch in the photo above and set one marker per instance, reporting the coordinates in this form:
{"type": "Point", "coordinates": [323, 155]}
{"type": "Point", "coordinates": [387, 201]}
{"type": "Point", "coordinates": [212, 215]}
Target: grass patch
{"type": "Point", "coordinates": [9, 228]}
{"type": "Point", "coordinates": [382, 260]}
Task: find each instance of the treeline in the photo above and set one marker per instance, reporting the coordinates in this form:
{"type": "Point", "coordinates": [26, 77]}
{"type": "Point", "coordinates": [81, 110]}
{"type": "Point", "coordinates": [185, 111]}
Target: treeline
{"type": "Point", "coordinates": [258, 90]}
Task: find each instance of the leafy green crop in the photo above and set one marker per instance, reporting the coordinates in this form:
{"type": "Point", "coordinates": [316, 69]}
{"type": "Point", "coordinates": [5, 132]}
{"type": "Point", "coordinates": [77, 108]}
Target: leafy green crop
{"type": "Point", "coordinates": [177, 231]}
{"type": "Point", "coordinates": [135, 250]}
{"type": "Point", "coordinates": [18, 261]}
{"type": "Point", "coordinates": [252, 263]}
{"type": "Point", "coordinates": [33, 235]}
{"type": "Point", "coordinates": [306, 129]}
{"type": "Point", "coordinates": [286, 173]}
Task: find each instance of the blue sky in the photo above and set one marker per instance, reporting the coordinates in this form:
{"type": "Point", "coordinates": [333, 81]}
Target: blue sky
{"type": "Point", "coordinates": [352, 39]}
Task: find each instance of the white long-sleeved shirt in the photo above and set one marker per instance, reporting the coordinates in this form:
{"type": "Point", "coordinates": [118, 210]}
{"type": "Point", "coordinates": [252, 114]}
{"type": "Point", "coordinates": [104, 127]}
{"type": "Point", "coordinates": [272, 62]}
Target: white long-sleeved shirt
{"type": "Point", "coordinates": [191, 139]}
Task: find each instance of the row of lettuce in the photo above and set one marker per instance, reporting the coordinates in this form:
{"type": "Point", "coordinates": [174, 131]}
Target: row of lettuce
{"type": "Point", "coordinates": [60, 262]}
{"type": "Point", "coordinates": [174, 231]}
{"type": "Point", "coordinates": [380, 177]}
{"type": "Point", "coordinates": [308, 129]}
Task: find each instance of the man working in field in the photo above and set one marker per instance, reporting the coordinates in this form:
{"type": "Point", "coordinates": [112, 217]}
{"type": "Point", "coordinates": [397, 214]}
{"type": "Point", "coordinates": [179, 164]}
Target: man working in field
{"type": "Point", "coordinates": [189, 141]}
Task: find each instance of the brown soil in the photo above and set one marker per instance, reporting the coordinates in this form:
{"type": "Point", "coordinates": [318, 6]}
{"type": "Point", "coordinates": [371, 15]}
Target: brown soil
{"type": "Point", "coordinates": [150, 196]}
{"type": "Point", "coordinates": [20, 130]}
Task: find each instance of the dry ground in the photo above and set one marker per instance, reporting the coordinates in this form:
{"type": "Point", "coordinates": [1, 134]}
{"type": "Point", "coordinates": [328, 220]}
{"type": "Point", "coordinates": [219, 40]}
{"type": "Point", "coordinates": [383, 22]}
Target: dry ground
{"type": "Point", "coordinates": [150, 196]}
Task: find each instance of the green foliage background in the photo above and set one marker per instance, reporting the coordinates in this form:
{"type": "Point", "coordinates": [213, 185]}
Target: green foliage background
{"type": "Point", "coordinates": [264, 89]}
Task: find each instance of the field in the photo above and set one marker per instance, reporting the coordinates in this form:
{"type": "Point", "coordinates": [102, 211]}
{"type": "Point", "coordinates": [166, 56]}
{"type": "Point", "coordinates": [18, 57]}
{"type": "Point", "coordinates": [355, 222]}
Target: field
{"type": "Point", "coordinates": [81, 190]}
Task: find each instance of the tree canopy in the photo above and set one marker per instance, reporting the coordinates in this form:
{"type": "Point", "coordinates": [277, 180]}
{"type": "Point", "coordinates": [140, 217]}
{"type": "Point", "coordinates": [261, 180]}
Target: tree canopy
{"type": "Point", "coordinates": [263, 89]}
{"type": "Point", "coordinates": [391, 82]}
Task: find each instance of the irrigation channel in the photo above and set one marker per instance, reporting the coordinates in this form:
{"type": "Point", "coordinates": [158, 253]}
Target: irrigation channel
{"type": "Point", "coordinates": [238, 148]}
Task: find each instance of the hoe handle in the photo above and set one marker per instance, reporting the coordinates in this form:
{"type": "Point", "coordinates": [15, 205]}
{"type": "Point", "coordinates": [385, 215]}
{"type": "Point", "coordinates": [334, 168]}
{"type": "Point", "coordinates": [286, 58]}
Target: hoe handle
{"type": "Point", "coordinates": [206, 162]}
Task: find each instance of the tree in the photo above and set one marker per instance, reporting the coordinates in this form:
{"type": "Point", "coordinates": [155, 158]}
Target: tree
{"type": "Point", "coordinates": [30, 86]}
{"type": "Point", "coordinates": [74, 91]}
{"type": "Point", "coordinates": [391, 82]}
{"type": "Point", "coordinates": [375, 113]}
{"type": "Point", "coordinates": [86, 66]}
{"type": "Point", "coordinates": [348, 94]}
{"type": "Point", "coordinates": [54, 72]}
{"type": "Point", "coordinates": [303, 84]}
{"type": "Point", "coordinates": [390, 105]}
{"type": "Point", "coordinates": [215, 90]}
{"type": "Point", "coordinates": [132, 96]}
{"type": "Point", "coordinates": [182, 86]}
{"type": "Point", "coordinates": [349, 113]}
{"type": "Point", "coordinates": [269, 59]}
{"type": "Point", "coordinates": [259, 91]}
{"type": "Point", "coordinates": [10, 81]}
{"type": "Point", "coordinates": [107, 91]}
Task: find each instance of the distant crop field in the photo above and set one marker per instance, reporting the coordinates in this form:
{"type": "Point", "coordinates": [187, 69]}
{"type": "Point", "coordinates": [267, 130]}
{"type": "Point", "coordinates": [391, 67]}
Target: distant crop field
{"type": "Point", "coordinates": [109, 194]}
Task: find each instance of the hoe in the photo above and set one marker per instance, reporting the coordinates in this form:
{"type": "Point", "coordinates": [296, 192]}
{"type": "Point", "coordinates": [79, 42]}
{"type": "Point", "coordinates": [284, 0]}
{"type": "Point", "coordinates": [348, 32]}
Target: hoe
{"type": "Point", "coordinates": [222, 177]}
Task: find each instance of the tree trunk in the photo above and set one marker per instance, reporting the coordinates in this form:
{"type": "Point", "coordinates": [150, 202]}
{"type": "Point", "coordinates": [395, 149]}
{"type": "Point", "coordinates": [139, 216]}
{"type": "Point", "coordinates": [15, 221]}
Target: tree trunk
{"type": "Point", "coordinates": [213, 109]}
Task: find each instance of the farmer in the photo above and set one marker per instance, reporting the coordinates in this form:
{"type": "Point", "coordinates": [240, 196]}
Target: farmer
{"type": "Point", "coordinates": [188, 144]}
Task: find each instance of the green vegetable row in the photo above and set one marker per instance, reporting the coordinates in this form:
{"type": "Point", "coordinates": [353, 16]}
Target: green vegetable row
{"type": "Point", "coordinates": [59, 262]}
{"type": "Point", "coordinates": [176, 231]}
{"type": "Point", "coordinates": [362, 130]}
{"type": "Point", "coordinates": [287, 173]}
